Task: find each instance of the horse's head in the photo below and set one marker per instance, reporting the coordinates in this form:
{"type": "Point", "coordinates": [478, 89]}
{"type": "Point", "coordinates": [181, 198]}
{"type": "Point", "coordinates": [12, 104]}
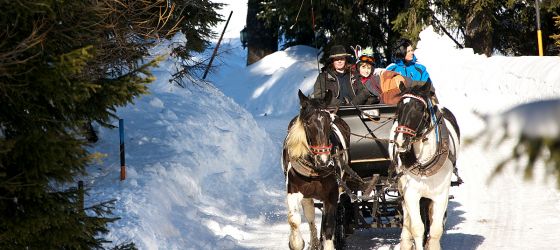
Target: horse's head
{"type": "Point", "coordinates": [316, 120]}
{"type": "Point", "coordinates": [413, 116]}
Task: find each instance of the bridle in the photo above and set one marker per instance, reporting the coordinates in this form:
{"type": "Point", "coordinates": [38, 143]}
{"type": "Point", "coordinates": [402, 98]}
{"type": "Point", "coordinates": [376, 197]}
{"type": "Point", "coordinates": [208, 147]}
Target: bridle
{"type": "Point", "coordinates": [407, 130]}
{"type": "Point", "coordinates": [322, 149]}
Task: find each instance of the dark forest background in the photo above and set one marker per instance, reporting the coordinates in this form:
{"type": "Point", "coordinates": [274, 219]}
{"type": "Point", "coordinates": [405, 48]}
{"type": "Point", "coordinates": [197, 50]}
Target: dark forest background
{"type": "Point", "coordinates": [488, 26]}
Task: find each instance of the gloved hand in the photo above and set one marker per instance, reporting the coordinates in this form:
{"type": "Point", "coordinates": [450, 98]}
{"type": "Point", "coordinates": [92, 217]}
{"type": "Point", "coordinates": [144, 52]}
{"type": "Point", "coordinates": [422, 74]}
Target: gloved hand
{"type": "Point", "coordinates": [373, 99]}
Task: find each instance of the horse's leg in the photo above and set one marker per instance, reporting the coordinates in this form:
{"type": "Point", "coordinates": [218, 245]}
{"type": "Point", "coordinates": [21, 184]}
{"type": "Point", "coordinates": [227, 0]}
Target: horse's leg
{"type": "Point", "coordinates": [309, 212]}
{"type": "Point", "coordinates": [329, 206]}
{"type": "Point", "coordinates": [406, 235]}
{"type": "Point", "coordinates": [294, 220]}
{"type": "Point", "coordinates": [439, 207]}
{"type": "Point", "coordinates": [416, 227]}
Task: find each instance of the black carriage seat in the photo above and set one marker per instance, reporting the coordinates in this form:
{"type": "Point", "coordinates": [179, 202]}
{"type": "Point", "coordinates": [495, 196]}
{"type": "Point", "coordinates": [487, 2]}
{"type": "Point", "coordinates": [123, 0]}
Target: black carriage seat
{"type": "Point", "coordinates": [369, 137]}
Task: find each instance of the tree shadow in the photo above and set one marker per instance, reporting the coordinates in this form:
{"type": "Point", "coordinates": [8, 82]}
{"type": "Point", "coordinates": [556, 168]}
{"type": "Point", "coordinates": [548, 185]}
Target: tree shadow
{"type": "Point", "coordinates": [458, 240]}
{"type": "Point", "coordinates": [390, 237]}
{"type": "Point", "coordinates": [461, 241]}
{"type": "Point", "coordinates": [454, 215]}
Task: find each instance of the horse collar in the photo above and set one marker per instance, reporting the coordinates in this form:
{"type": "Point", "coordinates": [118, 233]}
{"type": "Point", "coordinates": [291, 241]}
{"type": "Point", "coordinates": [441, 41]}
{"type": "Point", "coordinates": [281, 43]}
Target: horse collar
{"type": "Point", "coordinates": [437, 161]}
{"type": "Point", "coordinates": [306, 168]}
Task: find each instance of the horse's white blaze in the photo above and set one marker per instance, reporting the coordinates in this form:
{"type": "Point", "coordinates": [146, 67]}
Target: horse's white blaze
{"type": "Point", "coordinates": [406, 100]}
{"type": "Point", "coordinates": [324, 158]}
{"type": "Point", "coordinates": [399, 140]}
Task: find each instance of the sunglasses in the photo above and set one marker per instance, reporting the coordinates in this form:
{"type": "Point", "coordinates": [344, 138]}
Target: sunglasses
{"type": "Point", "coordinates": [367, 59]}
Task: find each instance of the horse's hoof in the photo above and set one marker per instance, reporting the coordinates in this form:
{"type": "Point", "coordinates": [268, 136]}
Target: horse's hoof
{"type": "Point", "coordinates": [293, 248]}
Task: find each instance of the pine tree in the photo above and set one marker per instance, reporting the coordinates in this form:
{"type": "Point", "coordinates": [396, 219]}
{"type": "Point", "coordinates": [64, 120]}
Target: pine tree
{"type": "Point", "coordinates": [262, 39]}
{"type": "Point", "coordinates": [506, 26]}
{"type": "Point", "coordinates": [556, 37]}
{"type": "Point", "coordinates": [194, 19]}
{"type": "Point", "coordinates": [64, 64]}
{"type": "Point", "coordinates": [344, 22]}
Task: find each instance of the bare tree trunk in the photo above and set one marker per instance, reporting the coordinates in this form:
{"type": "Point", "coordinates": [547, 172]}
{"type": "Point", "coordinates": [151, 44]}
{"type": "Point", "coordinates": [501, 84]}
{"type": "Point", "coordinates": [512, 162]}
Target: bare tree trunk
{"type": "Point", "coordinates": [262, 40]}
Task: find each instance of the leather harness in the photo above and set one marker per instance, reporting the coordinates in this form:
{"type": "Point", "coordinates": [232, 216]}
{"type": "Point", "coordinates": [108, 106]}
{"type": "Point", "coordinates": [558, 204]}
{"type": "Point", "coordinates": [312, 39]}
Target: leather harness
{"type": "Point", "coordinates": [437, 161]}
{"type": "Point", "coordinates": [306, 168]}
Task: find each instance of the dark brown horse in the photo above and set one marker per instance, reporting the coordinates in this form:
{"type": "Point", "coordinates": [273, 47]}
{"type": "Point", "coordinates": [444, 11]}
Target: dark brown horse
{"type": "Point", "coordinates": [311, 159]}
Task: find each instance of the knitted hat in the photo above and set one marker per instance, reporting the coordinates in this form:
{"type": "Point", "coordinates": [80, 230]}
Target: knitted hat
{"type": "Point", "coordinates": [338, 51]}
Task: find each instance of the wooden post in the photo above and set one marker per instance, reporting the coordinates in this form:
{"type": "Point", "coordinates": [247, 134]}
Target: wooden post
{"type": "Point", "coordinates": [121, 135]}
{"type": "Point", "coordinates": [216, 49]}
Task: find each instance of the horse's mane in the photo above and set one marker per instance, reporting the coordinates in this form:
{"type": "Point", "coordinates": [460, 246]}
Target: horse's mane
{"type": "Point", "coordinates": [416, 90]}
{"type": "Point", "coordinates": [296, 141]}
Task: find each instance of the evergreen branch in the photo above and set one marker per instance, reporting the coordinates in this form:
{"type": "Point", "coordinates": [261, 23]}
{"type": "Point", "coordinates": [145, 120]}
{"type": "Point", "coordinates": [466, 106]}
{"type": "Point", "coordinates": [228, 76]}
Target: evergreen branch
{"type": "Point", "coordinates": [438, 23]}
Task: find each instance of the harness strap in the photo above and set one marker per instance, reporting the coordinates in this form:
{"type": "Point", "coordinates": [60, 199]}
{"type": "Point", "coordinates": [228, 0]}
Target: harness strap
{"type": "Point", "coordinates": [433, 116]}
{"type": "Point", "coordinates": [437, 161]}
{"type": "Point", "coordinates": [287, 173]}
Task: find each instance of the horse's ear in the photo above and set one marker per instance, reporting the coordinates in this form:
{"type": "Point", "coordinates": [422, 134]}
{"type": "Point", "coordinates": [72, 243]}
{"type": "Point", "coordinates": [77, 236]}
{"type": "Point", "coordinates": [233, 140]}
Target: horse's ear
{"type": "Point", "coordinates": [328, 97]}
{"type": "Point", "coordinates": [303, 99]}
{"type": "Point", "coordinates": [402, 86]}
{"type": "Point", "coordinates": [426, 87]}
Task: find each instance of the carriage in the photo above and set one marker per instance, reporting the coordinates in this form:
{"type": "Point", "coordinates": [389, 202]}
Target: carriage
{"type": "Point", "coordinates": [363, 190]}
{"type": "Point", "coordinates": [376, 204]}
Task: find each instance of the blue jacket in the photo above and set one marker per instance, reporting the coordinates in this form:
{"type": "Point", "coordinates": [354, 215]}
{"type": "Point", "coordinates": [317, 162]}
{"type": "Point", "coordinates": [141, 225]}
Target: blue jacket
{"type": "Point", "coordinates": [416, 71]}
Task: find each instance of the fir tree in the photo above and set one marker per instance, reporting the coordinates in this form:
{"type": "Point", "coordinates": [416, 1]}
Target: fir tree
{"type": "Point", "coordinates": [336, 22]}
{"type": "Point", "coordinates": [64, 64]}
{"type": "Point", "coordinates": [505, 26]}
{"type": "Point", "coordinates": [556, 37]}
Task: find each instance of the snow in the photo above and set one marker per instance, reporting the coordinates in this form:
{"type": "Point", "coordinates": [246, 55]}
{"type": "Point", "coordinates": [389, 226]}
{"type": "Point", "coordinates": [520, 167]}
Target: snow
{"type": "Point", "coordinates": [203, 162]}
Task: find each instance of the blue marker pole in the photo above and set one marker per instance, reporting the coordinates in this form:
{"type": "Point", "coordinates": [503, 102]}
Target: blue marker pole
{"type": "Point", "coordinates": [121, 133]}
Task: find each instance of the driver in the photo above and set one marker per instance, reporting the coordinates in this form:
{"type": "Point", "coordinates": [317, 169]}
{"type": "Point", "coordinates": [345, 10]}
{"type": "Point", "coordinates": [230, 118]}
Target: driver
{"type": "Point", "coordinates": [337, 77]}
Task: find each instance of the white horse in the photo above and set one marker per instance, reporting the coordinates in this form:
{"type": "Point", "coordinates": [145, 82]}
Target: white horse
{"type": "Point", "coordinates": [424, 146]}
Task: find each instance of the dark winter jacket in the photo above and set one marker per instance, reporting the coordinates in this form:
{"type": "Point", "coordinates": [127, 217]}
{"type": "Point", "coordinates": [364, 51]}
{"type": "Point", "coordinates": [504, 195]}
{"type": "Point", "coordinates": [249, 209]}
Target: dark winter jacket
{"type": "Point", "coordinates": [369, 88]}
{"type": "Point", "coordinates": [328, 79]}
